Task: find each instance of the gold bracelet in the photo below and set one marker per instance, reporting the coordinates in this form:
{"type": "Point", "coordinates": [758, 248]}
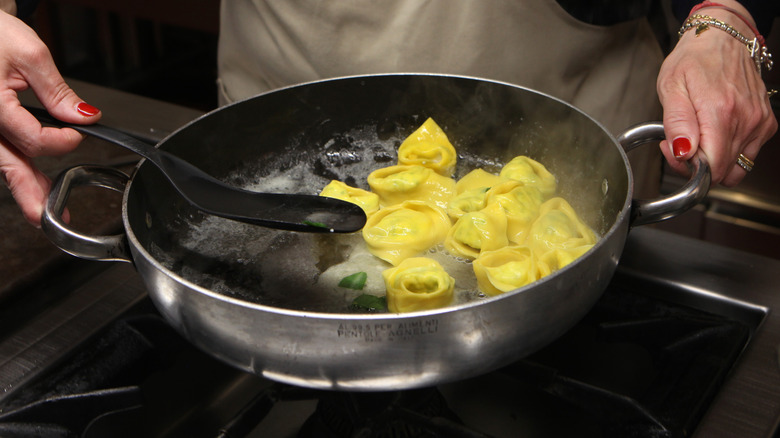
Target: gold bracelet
{"type": "Point", "coordinates": [759, 53]}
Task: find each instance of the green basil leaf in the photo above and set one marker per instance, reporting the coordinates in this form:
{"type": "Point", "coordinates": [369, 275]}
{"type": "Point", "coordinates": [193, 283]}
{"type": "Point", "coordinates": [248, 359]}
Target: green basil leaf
{"type": "Point", "coordinates": [355, 281]}
{"type": "Point", "coordinates": [370, 303]}
{"type": "Point", "coordinates": [315, 224]}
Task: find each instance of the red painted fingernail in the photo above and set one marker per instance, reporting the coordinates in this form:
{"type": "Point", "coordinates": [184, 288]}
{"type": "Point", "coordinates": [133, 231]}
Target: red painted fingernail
{"type": "Point", "coordinates": [86, 109]}
{"type": "Point", "coordinates": [681, 146]}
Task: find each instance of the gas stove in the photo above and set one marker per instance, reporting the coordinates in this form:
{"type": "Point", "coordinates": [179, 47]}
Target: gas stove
{"type": "Point", "coordinates": [683, 342]}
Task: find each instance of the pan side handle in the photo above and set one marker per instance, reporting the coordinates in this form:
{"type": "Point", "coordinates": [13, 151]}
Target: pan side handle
{"type": "Point", "coordinates": [686, 197]}
{"type": "Point", "coordinates": [104, 248]}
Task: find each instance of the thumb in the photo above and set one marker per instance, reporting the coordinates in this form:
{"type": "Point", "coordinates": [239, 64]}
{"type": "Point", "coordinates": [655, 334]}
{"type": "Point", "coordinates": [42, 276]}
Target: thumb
{"type": "Point", "coordinates": [681, 126]}
{"type": "Point", "coordinates": [63, 103]}
{"type": "Point", "coordinates": [55, 95]}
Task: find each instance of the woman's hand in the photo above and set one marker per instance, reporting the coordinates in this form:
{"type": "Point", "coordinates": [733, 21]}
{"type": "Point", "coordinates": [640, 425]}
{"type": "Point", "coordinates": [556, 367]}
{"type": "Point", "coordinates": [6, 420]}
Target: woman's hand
{"type": "Point", "coordinates": [25, 62]}
{"type": "Point", "coordinates": [714, 99]}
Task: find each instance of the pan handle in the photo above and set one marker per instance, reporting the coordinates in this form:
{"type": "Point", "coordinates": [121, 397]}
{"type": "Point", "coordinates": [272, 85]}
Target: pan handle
{"type": "Point", "coordinates": [645, 211]}
{"type": "Point", "coordinates": [105, 248]}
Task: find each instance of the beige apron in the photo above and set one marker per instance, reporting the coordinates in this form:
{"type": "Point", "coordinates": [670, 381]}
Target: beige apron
{"type": "Point", "coordinates": [607, 71]}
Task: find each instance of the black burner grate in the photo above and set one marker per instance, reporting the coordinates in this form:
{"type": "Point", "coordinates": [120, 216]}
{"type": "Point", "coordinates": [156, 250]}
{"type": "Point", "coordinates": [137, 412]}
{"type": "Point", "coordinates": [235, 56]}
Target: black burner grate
{"type": "Point", "coordinates": [638, 366]}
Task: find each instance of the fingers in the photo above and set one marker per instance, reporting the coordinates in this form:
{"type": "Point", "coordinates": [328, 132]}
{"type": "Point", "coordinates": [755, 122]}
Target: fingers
{"type": "Point", "coordinates": [28, 185]}
{"type": "Point", "coordinates": [681, 126]}
{"type": "Point", "coordinates": [24, 131]}
{"type": "Point", "coordinates": [56, 96]}
{"type": "Point", "coordinates": [25, 62]}
{"type": "Point", "coordinates": [741, 127]}
{"type": "Point", "coordinates": [736, 173]}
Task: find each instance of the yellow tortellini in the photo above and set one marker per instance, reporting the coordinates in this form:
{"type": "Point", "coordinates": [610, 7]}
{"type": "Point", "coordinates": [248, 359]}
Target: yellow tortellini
{"type": "Point", "coordinates": [405, 230]}
{"type": "Point", "coordinates": [428, 146]}
{"type": "Point", "coordinates": [396, 184]}
{"type": "Point", "coordinates": [507, 269]}
{"type": "Point", "coordinates": [510, 226]}
{"type": "Point", "coordinates": [559, 228]}
{"type": "Point", "coordinates": [418, 283]}
{"type": "Point", "coordinates": [471, 192]}
{"type": "Point", "coordinates": [477, 179]}
{"type": "Point", "coordinates": [556, 259]}
{"type": "Point", "coordinates": [484, 230]}
{"type": "Point", "coordinates": [366, 200]}
{"type": "Point", "coordinates": [530, 173]}
{"type": "Point", "coordinates": [467, 202]}
{"type": "Point", "coordinates": [521, 204]}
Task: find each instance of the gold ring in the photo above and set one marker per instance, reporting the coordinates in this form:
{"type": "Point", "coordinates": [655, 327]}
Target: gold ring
{"type": "Point", "coordinates": [745, 163]}
{"type": "Point", "coordinates": [771, 93]}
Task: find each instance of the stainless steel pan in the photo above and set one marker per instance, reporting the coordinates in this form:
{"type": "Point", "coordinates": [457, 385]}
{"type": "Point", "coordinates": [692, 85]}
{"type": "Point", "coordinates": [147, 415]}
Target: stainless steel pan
{"type": "Point", "coordinates": [248, 295]}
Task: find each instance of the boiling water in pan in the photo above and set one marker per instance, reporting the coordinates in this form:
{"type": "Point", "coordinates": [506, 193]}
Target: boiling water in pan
{"type": "Point", "coordinates": [301, 270]}
{"type": "Point", "coordinates": [296, 270]}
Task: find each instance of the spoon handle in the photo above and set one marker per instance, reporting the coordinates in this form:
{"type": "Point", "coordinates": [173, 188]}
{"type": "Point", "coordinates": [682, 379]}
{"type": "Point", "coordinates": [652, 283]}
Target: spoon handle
{"type": "Point", "coordinates": [169, 164]}
{"type": "Point", "coordinates": [100, 131]}
{"type": "Point", "coordinates": [175, 169]}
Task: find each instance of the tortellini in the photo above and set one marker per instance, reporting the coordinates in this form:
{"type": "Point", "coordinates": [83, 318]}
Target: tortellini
{"type": "Point", "coordinates": [405, 230]}
{"type": "Point", "coordinates": [428, 146]}
{"type": "Point", "coordinates": [477, 179]}
{"type": "Point", "coordinates": [471, 192]}
{"type": "Point", "coordinates": [521, 205]}
{"type": "Point", "coordinates": [530, 173]}
{"type": "Point", "coordinates": [509, 227]}
{"type": "Point", "coordinates": [418, 283]}
{"type": "Point", "coordinates": [507, 269]}
{"type": "Point", "coordinates": [484, 230]}
{"type": "Point", "coordinates": [556, 259]}
{"type": "Point", "coordinates": [558, 228]}
{"type": "Point", "coordinates": [366, 200]}
{"type": "Point", "coordinates": [396, 184]}
{"type": "Point", "coordinates": [467, 202]}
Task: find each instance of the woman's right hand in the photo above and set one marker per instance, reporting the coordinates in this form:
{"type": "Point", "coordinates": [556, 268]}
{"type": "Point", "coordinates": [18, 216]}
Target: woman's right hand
{"type": "Point", "coordinates": [25, 62]}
